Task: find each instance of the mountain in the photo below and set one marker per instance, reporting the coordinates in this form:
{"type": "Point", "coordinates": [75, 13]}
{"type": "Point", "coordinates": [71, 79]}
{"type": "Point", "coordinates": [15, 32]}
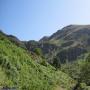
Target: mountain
{"type": "Point", "coordinates": [61, 61]}
{"type": "Point", "coordinates": [67, 44]}
{"type": "Point", "coordinates": [13, 39]}
{"type": "Point", "coordinates": [71, 35]}
{"type": "Point", "coordinates": [20, 71]}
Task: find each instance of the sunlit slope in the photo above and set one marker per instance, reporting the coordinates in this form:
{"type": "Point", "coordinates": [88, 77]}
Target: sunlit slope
{"type": "Point", "coordinates": [19, 70]}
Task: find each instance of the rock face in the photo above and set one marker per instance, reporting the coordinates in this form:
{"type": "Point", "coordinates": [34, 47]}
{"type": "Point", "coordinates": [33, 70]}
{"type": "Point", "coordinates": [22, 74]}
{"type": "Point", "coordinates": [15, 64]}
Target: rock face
{"type": "Point", "coordinates": [69, 43]}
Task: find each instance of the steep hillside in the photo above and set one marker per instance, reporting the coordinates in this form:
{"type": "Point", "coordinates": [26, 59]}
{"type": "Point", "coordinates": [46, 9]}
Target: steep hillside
{"type": "Point", "coordinates": [69, 43]}
{"type": "Point", "coordinates": [80, 71]}
{"type": "Point", "coordinates": [14, 40]}
{"type": "Point", "coordinates": [18, 70]}
{"type": "Point", "coordinates": [71, 32]}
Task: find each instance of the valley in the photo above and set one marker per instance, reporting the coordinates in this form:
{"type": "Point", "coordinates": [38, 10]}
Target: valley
{"type": "Point", "coordinates": [57, 62]}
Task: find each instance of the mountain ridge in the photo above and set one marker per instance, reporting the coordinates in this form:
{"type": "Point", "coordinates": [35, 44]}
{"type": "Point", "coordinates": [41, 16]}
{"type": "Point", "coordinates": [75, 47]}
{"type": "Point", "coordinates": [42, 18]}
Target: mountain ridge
{"type": "Point", "coordinates": [72, 40]}
{"type": "Point", "coordinates": [70, 28]}
{"type": "Point", "coordinates": [20, 71]}
{"type": "Point", "coordinates": [28, 67]}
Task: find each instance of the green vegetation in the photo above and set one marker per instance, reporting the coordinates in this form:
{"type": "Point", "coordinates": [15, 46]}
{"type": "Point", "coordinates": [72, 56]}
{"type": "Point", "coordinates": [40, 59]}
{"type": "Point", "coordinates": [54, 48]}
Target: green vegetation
{"type": "Point", "coordinates": [56, 63]}
{"type": "Point", "coordinates": [38, 51]}
{"type": "Point", "coordinates": [19, 70]}
{"type": "Point", "coordinates": [23, 65]}
{"type": "Point", "coordinates": [80, 71]}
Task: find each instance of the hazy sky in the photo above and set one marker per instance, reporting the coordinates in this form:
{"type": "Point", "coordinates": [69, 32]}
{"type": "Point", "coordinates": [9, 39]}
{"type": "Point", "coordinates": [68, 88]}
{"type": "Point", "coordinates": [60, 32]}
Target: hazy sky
{"type": "Point", "coordinates": [33, 19]}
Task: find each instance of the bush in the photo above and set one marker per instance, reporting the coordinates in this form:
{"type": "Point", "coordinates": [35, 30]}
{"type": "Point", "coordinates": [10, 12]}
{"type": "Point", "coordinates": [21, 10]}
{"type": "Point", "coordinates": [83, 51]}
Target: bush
{"type": "Point", "coordinates": [38, 51]}
{"type": "Point", "coordinates": [57, 63]}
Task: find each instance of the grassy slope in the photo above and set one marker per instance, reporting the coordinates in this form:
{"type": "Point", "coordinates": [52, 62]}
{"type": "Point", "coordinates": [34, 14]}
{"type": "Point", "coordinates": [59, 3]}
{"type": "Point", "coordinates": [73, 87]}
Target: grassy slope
{"type": "Point", "coordinates": [79, 70]}
{"type": "Point", "coordinates": [19, 70]}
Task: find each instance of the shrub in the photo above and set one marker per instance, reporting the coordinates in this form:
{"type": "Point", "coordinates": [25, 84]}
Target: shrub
{"type": "Point", "coordinates": [38, 51]}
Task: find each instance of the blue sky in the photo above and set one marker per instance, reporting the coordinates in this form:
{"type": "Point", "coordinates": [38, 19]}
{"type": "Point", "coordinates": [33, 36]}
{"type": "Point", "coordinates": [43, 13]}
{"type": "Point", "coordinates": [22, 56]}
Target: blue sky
{"type": "Point", "coordinates": [33, 19]}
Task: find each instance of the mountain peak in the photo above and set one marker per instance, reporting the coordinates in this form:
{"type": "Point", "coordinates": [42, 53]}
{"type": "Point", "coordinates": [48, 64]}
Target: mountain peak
{"type": "Point", "coordinates": [70, 29]}
{"type": "Point", "coordinates": [45, 38]}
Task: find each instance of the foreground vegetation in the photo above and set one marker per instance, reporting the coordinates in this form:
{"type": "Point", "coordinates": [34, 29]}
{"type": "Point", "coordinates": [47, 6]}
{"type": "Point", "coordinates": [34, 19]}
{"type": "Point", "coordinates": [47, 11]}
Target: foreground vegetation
{"type": "Point", "coordinates": [79, 71]}
{"type": "Point", "coordinates": [18, 70]}
{"type": "Point", "coordinates": [24, 70]}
